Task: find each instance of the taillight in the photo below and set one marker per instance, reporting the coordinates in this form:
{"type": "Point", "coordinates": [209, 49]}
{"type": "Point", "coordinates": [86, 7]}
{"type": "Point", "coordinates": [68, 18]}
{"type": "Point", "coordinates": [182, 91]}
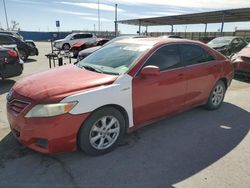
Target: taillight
{"type": "Point", "coordinates": [12, 53]}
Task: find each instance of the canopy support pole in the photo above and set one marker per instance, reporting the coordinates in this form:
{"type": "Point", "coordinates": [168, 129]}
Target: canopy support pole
{"type": "Point", "coordinates": [222, 25]}
{"type": "Point", "coordinates": [205, 29]}
{"type": "Point", "coordinates": [172, 29]}
{"type": "Point", "coordinates": [139, 27]}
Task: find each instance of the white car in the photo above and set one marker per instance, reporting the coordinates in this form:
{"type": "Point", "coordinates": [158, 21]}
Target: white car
{"type": "Point", "coordinates": [68, 41]}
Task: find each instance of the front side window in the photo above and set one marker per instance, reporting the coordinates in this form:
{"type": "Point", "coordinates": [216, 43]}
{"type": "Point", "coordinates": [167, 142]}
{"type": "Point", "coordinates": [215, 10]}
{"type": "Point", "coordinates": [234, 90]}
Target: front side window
{"type": "Point", "coordinates": [115, 58]}
{"type": "Point", "coordinates": [165, 58]}
{"type": "Point", "coordinates": [194, 54]}
{"type": "Point", "coordinates": [77, 36]}
{"type": "Point", "coordinates": [84, 36]}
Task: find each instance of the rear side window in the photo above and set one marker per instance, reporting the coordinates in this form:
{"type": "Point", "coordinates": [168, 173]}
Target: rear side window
{"type": "Point", "coordinates": [86, 36]}
{"type": "Point", "coordinates": [6, 40]}
{"type": "Point", "coordinates": [194, 54]}
{"type": "Point", "coordinates": [165, 58]}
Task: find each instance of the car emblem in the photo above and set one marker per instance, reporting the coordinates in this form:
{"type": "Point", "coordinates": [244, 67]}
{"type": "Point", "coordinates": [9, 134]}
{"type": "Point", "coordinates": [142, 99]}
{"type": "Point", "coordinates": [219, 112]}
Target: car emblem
{"type": "Point", "coordinates": [9, 95]}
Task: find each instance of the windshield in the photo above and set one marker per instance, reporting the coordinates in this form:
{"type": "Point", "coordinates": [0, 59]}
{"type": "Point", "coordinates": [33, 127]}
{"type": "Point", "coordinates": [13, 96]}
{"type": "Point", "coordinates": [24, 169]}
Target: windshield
{"type": "Point", "coordinates": [220, 41]}
{"type": "Point", "coordinates": [68, 37]}
{"type": "Point", "coordinates": [115, 58]}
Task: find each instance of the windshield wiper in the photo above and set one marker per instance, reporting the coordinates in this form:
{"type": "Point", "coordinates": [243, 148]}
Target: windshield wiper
{"type": "Point", "coordinates": [87, 67]}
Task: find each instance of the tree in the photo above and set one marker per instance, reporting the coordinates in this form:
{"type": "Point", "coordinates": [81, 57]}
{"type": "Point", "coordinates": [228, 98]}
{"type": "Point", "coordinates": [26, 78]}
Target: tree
{"type": "Point", "coordinates": [14, 25]}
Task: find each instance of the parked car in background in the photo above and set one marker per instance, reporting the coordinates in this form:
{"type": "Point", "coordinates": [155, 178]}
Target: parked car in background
{"type": "Point", "coordinates": [68, 41]}
{"type": "Point", "coordinates": [228, 45]}
{"type": "Point", "coordinates": [24, 49]}
{"type": "Point", "coordinates": [14, 33]}
{"type": "Point", "coordinates": [247, 39]}
{"type": "Point", "coordinates": [241, 61]}
{"type": "Point", "coordinates": [86, 52]}
{"type": "Point", "coordinates": [101, 41]}
{"type": "Point", "coordinates": [10, 63]}
{"type": "Point", "coordinates": [120, 88]}
{"type": "Point", "coordinates": [79, 46]}
{"type": "Point", "coordinates": [171, 36]}
{"type": "Point", "coordinates": [206, 39]}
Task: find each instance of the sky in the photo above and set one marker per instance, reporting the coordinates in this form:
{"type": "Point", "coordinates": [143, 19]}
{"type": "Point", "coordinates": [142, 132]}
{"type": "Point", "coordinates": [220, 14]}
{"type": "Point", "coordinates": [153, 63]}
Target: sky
{"type": "Point", "coordinates": [41, 15]}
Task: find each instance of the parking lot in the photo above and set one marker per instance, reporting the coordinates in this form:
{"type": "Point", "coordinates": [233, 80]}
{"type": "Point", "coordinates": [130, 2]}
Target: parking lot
{"type": "Point", "coordinates": [198, 148]}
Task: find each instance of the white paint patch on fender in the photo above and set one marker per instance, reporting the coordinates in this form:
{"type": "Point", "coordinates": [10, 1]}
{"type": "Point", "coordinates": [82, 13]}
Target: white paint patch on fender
{"type": "Point", "coordinates": [118, 93]}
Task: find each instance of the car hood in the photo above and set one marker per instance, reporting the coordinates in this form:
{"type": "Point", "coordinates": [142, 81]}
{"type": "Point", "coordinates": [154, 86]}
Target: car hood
{"type": "Point", "coordinates": [56, 84]}
{"type": "Point", "coordinates": [60, 40]}
{"type": "Point", "coordinates": [217, 46]}
{"type": "Point", "coordinates": [89, 50]}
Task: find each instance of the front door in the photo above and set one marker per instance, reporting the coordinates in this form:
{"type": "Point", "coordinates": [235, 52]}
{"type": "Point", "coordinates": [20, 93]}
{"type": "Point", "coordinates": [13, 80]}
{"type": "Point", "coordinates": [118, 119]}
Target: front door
{"type": "Point", "coordinates": [156, 96]}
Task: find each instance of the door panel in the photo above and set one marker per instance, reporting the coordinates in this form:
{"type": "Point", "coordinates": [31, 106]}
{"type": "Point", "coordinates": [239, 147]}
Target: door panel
{"type": "Point", "coordinates": [202, 71]}
{"type": "Point", "coordinates": [200, 81]}
{"type": "Point", "coordinates": [157, 96]}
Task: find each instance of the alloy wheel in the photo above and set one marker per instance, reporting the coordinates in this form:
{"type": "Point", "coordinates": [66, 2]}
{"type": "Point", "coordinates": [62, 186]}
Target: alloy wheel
{"type": "Point", "coordinates": [104, 132]}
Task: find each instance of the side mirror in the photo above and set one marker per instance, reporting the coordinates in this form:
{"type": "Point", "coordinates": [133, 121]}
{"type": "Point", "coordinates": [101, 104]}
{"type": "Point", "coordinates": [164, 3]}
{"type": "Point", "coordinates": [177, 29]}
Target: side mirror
{"type": "Point", "coordinates": [150, 70]}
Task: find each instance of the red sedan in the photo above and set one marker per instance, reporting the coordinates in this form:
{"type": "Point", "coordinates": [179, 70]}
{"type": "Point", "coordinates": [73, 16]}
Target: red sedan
{"type": "Point", "coordinates": [119, 88]}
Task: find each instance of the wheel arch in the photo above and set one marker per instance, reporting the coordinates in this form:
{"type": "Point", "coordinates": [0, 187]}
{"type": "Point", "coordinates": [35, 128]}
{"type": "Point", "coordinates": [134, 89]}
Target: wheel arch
{"type": "Point", "coordinates": [117, 107]}
{"type": "Point", "coordinates": [225, 81]}
{"type": "Point", "coordinates": [120, 109]}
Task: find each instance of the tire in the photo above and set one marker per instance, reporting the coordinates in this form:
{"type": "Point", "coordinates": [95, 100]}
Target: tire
{"type": "Point", "coordinates": [97, 135]}
{"type": "Point", "coordinates": [66, 46]}
{"type": "Point", "coordinates": [216, 96]}
{"type": "Point", "coordinates": [23, 55]}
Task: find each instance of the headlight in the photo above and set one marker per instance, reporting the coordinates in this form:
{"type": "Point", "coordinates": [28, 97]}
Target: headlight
{"type": "Point", "coordinates": [49, 110]}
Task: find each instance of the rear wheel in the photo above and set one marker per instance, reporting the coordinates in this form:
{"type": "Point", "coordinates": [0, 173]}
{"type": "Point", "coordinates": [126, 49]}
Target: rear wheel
{"type": "Point", "coordinates": [102, 131]}
{"type": "Point", "coordinates": [217, 95]}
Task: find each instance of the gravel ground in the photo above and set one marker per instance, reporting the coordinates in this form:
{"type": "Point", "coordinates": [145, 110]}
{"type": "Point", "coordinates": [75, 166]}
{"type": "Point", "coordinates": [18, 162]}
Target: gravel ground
{"type": "Point", "coordinates": [197, 148]}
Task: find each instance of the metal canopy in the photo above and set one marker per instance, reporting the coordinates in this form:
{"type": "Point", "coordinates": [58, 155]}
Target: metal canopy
{"type": "Point", "coordinates": [231, 15]}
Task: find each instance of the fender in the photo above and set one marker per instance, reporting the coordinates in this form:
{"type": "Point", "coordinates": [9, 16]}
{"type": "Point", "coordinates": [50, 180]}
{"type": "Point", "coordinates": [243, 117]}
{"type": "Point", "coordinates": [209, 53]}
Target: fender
{"type": "Point", "coordinates": [118, 93]}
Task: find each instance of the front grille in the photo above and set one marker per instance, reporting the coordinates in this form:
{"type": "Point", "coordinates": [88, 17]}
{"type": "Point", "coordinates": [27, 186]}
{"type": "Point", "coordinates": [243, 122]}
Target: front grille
{"type": "Point", "coordinates": [17, 106]}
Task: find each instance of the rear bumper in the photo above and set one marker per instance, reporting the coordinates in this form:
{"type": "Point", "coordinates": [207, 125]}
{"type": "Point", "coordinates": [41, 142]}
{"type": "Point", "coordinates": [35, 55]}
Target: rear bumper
{"type": "Point", "coordinates": [46, 135]}
{"type": "Point", "coordinates": [8, 70]}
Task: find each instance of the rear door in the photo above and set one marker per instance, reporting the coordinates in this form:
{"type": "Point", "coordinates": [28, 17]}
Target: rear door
{"type": "Point", "coordinates": [88, 38]}
{"type": "Point", "coordinates": [202, 72]}
{"type": "Point", "coordinates": [156, 96]}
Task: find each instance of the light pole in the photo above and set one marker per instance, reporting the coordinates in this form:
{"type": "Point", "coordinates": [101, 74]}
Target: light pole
{"type": "Point", "coordinates": [6, 17]}
{"type": "Point", "coordinates": [99, 21]}
{"type": "Point", "coordinates": [116, 26]}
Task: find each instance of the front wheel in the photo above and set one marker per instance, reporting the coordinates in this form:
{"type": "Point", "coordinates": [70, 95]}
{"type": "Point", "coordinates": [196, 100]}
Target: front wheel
{"type": "Point", "coordinates": [66, 47]}
{"type": "Point", "coordinates": [217, 95]}
{"type": "Point", "coordinates": [102, 131]}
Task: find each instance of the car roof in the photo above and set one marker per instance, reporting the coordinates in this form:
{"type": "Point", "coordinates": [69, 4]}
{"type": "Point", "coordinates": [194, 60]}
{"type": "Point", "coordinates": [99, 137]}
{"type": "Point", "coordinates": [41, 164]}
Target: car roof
{"type": "Point", "coordinates": [6, 34]}
{"type": "Point", "coordinates": [227, 37]}
{"type": "Point", "coordinates": [80, 33]}
{"type": "Point", "coordinates": [156, 41]}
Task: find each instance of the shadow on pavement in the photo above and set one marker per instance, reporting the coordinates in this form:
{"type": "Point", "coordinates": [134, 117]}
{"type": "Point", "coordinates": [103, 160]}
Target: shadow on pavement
{"type": "Point", "coordinates": [5, 85]}
{"type": "Point", "coordinates": [159, 155]}
{"type": "Point", "coordinates": [30, 60]}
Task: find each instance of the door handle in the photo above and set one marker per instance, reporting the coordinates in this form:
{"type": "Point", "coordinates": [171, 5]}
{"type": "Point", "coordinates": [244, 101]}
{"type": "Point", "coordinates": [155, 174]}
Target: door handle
{"type": "Point", "coordinates": [179, 75]}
